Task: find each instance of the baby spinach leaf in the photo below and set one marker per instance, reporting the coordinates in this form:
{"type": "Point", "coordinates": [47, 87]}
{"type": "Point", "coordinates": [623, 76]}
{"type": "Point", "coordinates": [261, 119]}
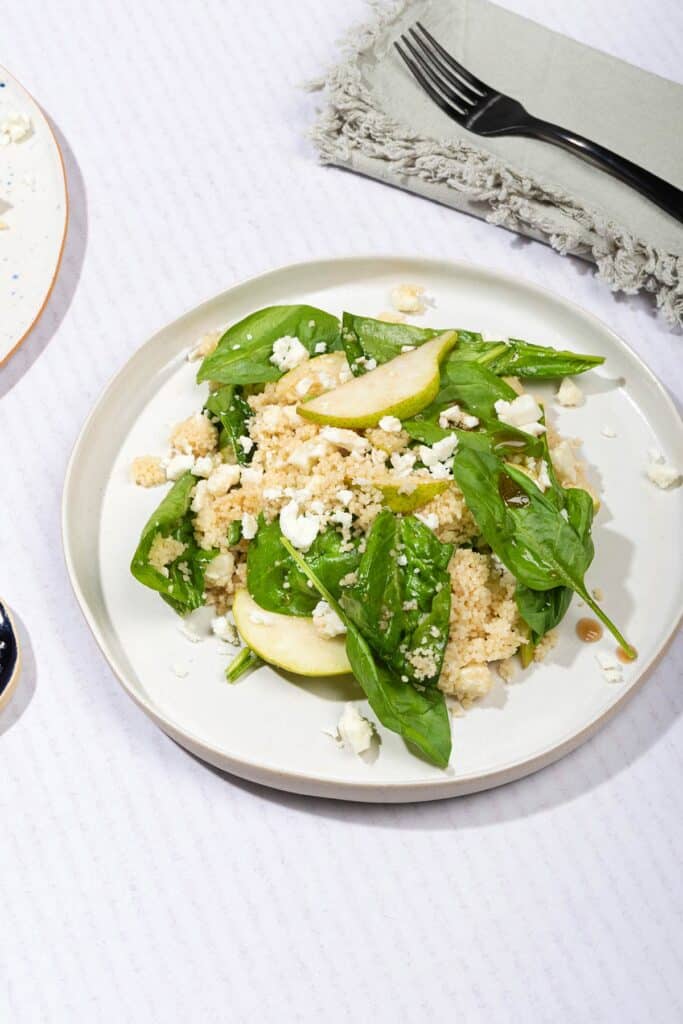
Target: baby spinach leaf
{"type": "Point", "coordinates": [243, 353]}
{"type": "Point", "coordinates": [274, 579]}
{"type": "Point", "coordinates": [526, 529]}
{"type": "Point", "coordinates": [379, 340]}
{"type": "Point", "coordinates": [363, 336]}
{"type": "Point", "coordinates": [522, 359]}
{"type": "Point", "coordinates": [419, 716]}
{"type": "Point", "coordinates": [401, 600]}
{"type": "Point", "coordinates": [182, 586]}
{"type": "Point", "coordinates": [233, 413]}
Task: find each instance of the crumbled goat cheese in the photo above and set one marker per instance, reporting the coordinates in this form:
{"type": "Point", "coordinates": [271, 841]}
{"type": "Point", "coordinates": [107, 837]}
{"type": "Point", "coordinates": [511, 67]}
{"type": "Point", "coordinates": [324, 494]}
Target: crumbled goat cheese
{"type": "Point", "coordinates": [307, 453]}
{"type": "Point", "coordinates": [303, 386]}
{"type": "Point", "coordinates": [249, 525]}
{"type": "Point", "coordinates": [522, 412]}
{"type": "Point", "coordinates": [660, 472]}
{"type": "Point", "coordinates": [344, 496]}
{"type": "Point", "coordinates": [245, 443]}
{"type": "Point", "coordinates": [569, 393]}
{"type": "Point", "coordinates": [199, 496]}
{"type": "Point", "coordinates": [220, 569]}
{"type": "Point", "coordinates": [288, 352]}
{"type": "Point", "coordinates": [223, 478]}
{"type": "Point", "coordinates": [354, 731]}
{"type": "Point", "coordinates": [402, 560]}
{"type": "Point", "coordinates": [272, 493]}
{"type": "Point", "coordinates": [342, 438]}
{"type": "Point", "coordinates": [407, 298]}
{"type": "Point", "coordinates": [203, 466]}
{"type": "Point", "coordinates": [454, 416]}
{"type": "Point", "coordinates": [543, 479]}
{"type": "Point", "coordinates": [300, 530]}
{"type": "Point", "coordinates": [402, 464]}
{"type": "Point", "coordinates": [14, 128]}
{"type": "Point", "coordinates": [430, 519]}
{"type": "Point", "coordinates": [342, 517]}
{"type": "Point", "coordinates": [440, 471]}
{"type": "Point", "coordinates": [251, 475]}
{"type": "Point", "coordinates": [608, 431]}
{"type": "Point", "coordinates": [326, 621]}
{"type": "Point", "coordinates": [177, 465]}
{"type": "Point", "coordinates": [391, 424]}
{"type": "Point", "coordinates": [474, 681]}
{"type": "Point", "coordinates": [438, 452]}
{"type": "Point", "coordinates": [562, 458]}
{"type": "Point", "coordinates": [224, 629]}
{"type": "Point", "coordinates": [610, 667]}
{"type": "Point", "coordinates": [320, 347]}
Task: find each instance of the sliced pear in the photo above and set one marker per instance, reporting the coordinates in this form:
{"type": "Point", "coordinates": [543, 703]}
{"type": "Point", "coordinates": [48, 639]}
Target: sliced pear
{"type": "Point", "coordinates": [288, 641]}
{"type": "Point", "coordinates": [322, 373]}
{"type": "Point", "coordinates": [401, 501]}
{"type": "Point", "coordinates": [401, 387]}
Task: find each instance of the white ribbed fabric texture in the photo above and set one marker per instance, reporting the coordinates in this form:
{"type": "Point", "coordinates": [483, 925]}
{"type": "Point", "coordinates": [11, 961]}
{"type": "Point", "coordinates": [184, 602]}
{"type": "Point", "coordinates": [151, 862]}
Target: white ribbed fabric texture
{"type": "Point", "coordinates": [135, 883]}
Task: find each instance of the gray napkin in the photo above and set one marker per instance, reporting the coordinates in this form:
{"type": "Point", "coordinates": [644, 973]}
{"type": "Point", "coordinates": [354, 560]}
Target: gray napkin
{"type": "Point", "coordinates": [378, 121]}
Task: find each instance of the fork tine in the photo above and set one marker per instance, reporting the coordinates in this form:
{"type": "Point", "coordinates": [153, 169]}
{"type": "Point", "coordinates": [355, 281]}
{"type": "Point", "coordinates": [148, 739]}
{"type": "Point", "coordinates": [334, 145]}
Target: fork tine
{"type": "Point", "coordinates": [440, 100]}
{"type": "Point", "coordinates": [454, 101]}
{"type": "Point", "coordinates": [465, 92]}
{"type": "Point", "coordinates": [455, 65]}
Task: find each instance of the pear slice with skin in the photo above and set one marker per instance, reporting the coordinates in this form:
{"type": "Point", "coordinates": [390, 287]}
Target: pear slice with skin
{"type": "Point", "coordinates": [402, 501]}
{"type": "Point", "coordinates": [288, 641]}
{"type": "Point", "coordinates": [401, 387]}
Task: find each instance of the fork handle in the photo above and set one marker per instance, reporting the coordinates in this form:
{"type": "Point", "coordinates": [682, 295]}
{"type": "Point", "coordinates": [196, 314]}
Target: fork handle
{"type": "Point", "coordinates": [659, 191]}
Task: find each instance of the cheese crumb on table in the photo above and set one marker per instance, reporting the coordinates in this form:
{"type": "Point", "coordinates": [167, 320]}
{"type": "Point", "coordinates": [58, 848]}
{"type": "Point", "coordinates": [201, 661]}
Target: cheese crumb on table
{"type": "Point", "coordinates": [14, 128]}
{"type": "Point", "coordinates": [148, 471]}
{"type": "Point", "coordinates": [354, 731]}
{"type": "Point", "coordinates": [610, 667]}
{"type": "Point", "coordinates": [569, 393]}
{"type": "Point", "coordinates": [223, 627]}
{"type": "Point", "coordinates": [661, 472]}
{"type": "Point", "coordinates": [407, 298]}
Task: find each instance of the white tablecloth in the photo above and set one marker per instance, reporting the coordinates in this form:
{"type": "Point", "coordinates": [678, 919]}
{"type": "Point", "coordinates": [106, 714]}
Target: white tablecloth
{"type": "Point", "coordinates": [136, 884]}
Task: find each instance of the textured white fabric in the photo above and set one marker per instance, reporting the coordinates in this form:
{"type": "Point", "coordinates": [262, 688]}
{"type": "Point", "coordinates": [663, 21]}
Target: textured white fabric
{"type": "Point", "coordinates": [135, 883]}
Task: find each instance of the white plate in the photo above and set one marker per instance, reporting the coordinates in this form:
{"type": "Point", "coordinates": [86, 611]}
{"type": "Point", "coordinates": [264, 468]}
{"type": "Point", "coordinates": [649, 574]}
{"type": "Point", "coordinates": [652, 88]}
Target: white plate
{"type": "Point", "coordinates": [34, 206]}
{"type": "Point", "coordinates": [270, 729]}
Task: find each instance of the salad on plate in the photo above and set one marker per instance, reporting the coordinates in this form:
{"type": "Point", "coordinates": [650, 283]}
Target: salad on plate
{"type": "Point", "coordinates": [373, 497]}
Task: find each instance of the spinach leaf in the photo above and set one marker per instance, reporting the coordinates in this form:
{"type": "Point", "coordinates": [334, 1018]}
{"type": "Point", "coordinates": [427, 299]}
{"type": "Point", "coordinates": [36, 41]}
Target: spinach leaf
{"type": "Point", "coordinates": [376, 339]}
{"type": "Point", "coordinates": [419, 716]}
{"type": "Point", "coordinates": [182, 584]}
{"type": "Point", "coordinates": [233, 413]}
{"type": "Point", "coordinates": [527, 530]}
{"type": "Point", "coordinates": [475, 389]}
{"type": "Point", "coordinates": [363, 336]}
{"type": "Point", "coordinates": [401, 601]}
{"type": "Point", "coordinates": [243, 662]}
{"type": "Point", "coordinates": [278, 585]}
{"type": "Point", "coordinates": [519, 358]}
{"type": "Point", "coordinates": [243, 353]}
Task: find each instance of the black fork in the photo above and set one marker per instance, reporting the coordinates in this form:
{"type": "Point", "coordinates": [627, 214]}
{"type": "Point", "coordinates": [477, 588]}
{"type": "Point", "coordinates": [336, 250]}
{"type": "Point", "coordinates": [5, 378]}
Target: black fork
{"type": "Point", "coordinates": [481, 109]}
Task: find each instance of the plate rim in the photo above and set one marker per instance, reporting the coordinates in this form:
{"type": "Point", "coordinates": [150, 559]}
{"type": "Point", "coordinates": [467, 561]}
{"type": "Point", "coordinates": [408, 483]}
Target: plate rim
{"type": "Point", "coordinates": [67, 216]}
{"type": "Point", "coordinates": [339, 788]}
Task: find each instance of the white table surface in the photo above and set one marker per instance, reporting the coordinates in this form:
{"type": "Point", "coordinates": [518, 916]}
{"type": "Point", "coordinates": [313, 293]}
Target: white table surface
{"type": "Point", "coordinates": [136, 884]}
